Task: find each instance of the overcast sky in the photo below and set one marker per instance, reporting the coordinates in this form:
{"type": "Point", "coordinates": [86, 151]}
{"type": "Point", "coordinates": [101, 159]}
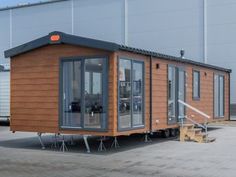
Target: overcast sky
{"type": "Point", "coordinates": [4, 3]}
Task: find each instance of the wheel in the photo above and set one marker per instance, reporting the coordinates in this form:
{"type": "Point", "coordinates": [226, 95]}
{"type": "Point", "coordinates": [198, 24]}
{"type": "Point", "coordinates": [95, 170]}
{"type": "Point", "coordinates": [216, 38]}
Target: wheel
{"type": "Point", "coordinates": [173, 132]}
{"type": "Point", "coordinates": [166, 133]}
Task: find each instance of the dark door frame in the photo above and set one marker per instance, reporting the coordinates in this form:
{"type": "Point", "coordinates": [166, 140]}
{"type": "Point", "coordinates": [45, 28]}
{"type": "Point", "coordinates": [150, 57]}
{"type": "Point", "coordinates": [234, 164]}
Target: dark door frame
{"type": "Point", "coordinates": [177, 70]}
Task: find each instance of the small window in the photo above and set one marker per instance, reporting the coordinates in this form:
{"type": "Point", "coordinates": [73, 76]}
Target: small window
{"type": "Point", "coordinates": [196, 85]}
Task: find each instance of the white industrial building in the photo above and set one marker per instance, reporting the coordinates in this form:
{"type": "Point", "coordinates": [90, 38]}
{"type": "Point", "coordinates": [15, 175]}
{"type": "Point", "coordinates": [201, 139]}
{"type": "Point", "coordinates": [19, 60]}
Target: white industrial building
{"type": "Point", "coordinates": [205, 29]}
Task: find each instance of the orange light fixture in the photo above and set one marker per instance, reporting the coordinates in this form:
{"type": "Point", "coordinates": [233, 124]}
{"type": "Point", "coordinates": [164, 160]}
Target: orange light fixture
{"type": "Point", "coordinates": [55, 38]}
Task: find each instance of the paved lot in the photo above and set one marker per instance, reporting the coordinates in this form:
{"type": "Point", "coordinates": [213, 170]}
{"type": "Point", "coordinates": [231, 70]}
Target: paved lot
{"type": "Point", "coordinates": [21, 156]}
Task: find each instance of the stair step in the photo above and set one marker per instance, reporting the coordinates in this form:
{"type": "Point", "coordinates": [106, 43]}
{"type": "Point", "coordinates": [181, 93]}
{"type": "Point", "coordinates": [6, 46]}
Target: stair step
{"type": "Point", "coordinates": [195, 130]}
{"type": "Point", "coordinates": [202, 134]}
{"type": "Point", "coordinates": [188, 125]}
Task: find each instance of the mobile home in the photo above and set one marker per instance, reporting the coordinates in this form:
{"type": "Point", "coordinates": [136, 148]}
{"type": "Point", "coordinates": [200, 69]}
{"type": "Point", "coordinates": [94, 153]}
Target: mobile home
{"type": "Point", "coordinates": [62, 83]}
{"type": "Point", "coordinates": [4, 94]}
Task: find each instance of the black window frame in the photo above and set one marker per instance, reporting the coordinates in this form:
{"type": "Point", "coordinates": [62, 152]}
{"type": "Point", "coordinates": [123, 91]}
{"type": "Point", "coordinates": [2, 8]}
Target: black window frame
{"type": "Point", "coordinates": [218, 80]}
{"type": "Point", "coordinates": [104, 122]}
{"type": "Point", "coordinates": [118, 95]}
{"type": "Point", "coordinates": [196, 98]}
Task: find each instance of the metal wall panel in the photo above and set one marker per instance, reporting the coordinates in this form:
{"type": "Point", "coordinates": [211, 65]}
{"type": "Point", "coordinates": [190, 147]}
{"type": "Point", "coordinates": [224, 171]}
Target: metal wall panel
{"type": "Point", "coordinates": [36, 21]}
{"type": "Point", "coordinates": [167, 26]}
{"type": "Point", "coordinates": [4, 94]}
{"type": "Point", "coordinates": [221, 39]}
{"type": "Point", "coordinates": [103, 19]}
{"type": "Point", "coordinates": [162, 26]}
{"type": "Point", "coordinates": [4, 34]}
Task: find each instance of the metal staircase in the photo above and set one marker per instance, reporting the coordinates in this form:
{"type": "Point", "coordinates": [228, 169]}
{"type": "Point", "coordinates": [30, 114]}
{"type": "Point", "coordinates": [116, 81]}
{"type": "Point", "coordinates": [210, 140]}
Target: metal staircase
{"type": "Point", "coordinates": [189, 132]}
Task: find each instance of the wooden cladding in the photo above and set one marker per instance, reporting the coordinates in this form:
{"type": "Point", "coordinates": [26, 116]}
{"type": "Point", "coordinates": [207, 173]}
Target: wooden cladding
{"type": "Point", "coordinates": [35, 90]}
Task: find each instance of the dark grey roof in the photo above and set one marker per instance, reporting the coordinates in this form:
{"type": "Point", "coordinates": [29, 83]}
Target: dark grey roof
{"type": "Point", "coordinates": [98, 44]}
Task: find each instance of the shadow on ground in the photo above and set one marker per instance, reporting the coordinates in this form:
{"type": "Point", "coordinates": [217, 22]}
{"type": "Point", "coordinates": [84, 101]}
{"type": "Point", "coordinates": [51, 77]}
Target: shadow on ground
{"type": "Point", "coordinates": [78, 146]}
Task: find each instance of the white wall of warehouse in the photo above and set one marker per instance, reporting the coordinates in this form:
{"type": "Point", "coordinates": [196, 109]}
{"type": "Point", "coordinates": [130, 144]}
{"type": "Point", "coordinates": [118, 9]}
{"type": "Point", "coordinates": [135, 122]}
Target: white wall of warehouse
{"type": "Point", "coordinates": [157, 25]}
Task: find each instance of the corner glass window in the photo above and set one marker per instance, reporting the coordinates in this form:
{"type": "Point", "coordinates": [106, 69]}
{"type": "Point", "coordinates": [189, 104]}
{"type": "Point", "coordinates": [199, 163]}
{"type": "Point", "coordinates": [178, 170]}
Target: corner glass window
{"type": "Point", "coordinates": [84, 97]}
{"type": "Point", "coordinates": [219, 95]}
{"type": "Point", "coordinates": [196, 85]}
{"type": "Point", "coordinates": [131, 87]}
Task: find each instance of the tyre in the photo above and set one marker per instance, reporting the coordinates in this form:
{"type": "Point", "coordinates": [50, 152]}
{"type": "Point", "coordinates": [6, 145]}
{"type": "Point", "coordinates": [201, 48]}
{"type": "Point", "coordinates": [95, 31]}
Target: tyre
{"type": "Point", "coordinates": [166, 133]}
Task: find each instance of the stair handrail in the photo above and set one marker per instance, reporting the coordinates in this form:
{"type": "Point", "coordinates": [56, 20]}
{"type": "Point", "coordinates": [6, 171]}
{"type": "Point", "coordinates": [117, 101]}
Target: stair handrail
{"type": "Point", "coordinates": [194, 109]}
{"type": "Point", "coordinates": [194, 122]}
{"type": "Point", "coordinates": [199, 112]}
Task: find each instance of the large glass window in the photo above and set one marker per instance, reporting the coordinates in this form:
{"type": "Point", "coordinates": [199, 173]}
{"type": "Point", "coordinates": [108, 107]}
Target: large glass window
{"type": "Point", "coordinates": [131, 87]}
{"type": "Point", "coordinates": [196, 85]}
{"type": "Point", "coordinates": [72, 94]}
{"type": "Point", "coordinates": [93, 93]}
{"type": "Point", "coordinates": [219, 95]}
{"type": "Point", "coordinates": [137, 94]}
{"type": "Point", "coordinates": [84, 86]}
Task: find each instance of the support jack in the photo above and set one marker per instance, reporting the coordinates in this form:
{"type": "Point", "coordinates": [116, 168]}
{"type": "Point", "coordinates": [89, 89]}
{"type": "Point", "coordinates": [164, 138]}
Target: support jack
{"type": "Point", "coordinates": [86, 143]}
{"type": "Point", "coordinates": [147, 138]}
{"type": "Point", "coordinates": [63, 147]}
{"type": "Point", "coordinates": [41, 141]}
{"type": "Point", "coordinates": [115, 143]}
{"type": "Point", "coordinates": [55, 141]}
{"type": "Point", "coordinates": [101, 145]}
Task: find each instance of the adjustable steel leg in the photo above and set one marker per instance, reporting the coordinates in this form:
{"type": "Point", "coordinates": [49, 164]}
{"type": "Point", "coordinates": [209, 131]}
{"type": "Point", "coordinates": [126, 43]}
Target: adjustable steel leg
{"type": "Point", "coordinates": [86, 143]}
{"type": "Point", "coordinates": [147, 139]}
{"type": "Point", "coordinates": [40, 140]}
{"type": "Point", "coordinates": [63, 145]}
{"type": "Point", "coordinates": [115, 143]}
{"type": "Point", "coordinates": [101, 145]}
{"type": "Point", "coordinates": [55, 141]}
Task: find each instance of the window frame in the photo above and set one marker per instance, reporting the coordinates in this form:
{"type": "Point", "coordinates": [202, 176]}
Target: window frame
{"type": "Point", "coordinates": [105, 86]}
{"type": "Point", "coordinates": [132, 60]}
{"type": "Point", "coordinates": [196, 98]}
{"type": "Point", "coordinates": [176, 68]}
{"type": "Point", "coordinates": [217, 116]}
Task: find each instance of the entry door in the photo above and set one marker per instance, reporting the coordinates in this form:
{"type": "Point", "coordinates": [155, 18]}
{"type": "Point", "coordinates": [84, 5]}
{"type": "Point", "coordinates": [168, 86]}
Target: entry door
{"type": "Point", "coordinates": [176, 90]}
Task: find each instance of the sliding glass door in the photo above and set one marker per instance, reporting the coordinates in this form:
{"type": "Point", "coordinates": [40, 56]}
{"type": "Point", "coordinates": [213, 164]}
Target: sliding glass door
{"type": "Point", "coordinates": [176, 91]}
{"type": "Point", "coordinates": [71, 104]}
{"type": "Point", "coordinates": [93, 93]}
{"type": "Point", "coordinates": [84, 93]}
{"type": "Point", "coordinates": [131, 94]}
{"type": "Point", "coordinates": [172, 95]}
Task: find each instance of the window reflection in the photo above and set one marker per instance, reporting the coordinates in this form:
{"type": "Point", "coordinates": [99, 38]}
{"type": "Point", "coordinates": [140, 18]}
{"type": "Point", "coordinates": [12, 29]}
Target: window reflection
{"type": "Point", "coordinates": [131, 93]}
{"type": "Point", "coordinates": [137, 94]}
{"type": "Point", "coordinates": [83, 97]}
{"type": "Point", "coordinates": [72, 94]}
{"type": "Point", "coordinates": [93, 93]}
{"type": "Point", "coordinates": [125, 93]}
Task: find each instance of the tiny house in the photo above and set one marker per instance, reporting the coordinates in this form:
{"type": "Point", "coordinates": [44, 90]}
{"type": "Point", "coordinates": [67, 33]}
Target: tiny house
{"type": "Point", "coordinates": [61, 83]}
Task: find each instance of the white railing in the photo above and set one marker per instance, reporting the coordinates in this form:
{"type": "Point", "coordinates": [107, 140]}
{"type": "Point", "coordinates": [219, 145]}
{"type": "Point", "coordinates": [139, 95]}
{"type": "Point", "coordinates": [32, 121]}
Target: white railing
{"type": "Point", "coordinates": [206, 117]}
{"type": "Point", "coordinates": [194, 109]}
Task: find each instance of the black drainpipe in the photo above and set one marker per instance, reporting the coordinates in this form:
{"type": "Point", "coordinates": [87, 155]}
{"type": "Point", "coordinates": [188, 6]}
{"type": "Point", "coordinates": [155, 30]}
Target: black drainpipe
{"type": "Point", "coordinates": [150, 94]}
